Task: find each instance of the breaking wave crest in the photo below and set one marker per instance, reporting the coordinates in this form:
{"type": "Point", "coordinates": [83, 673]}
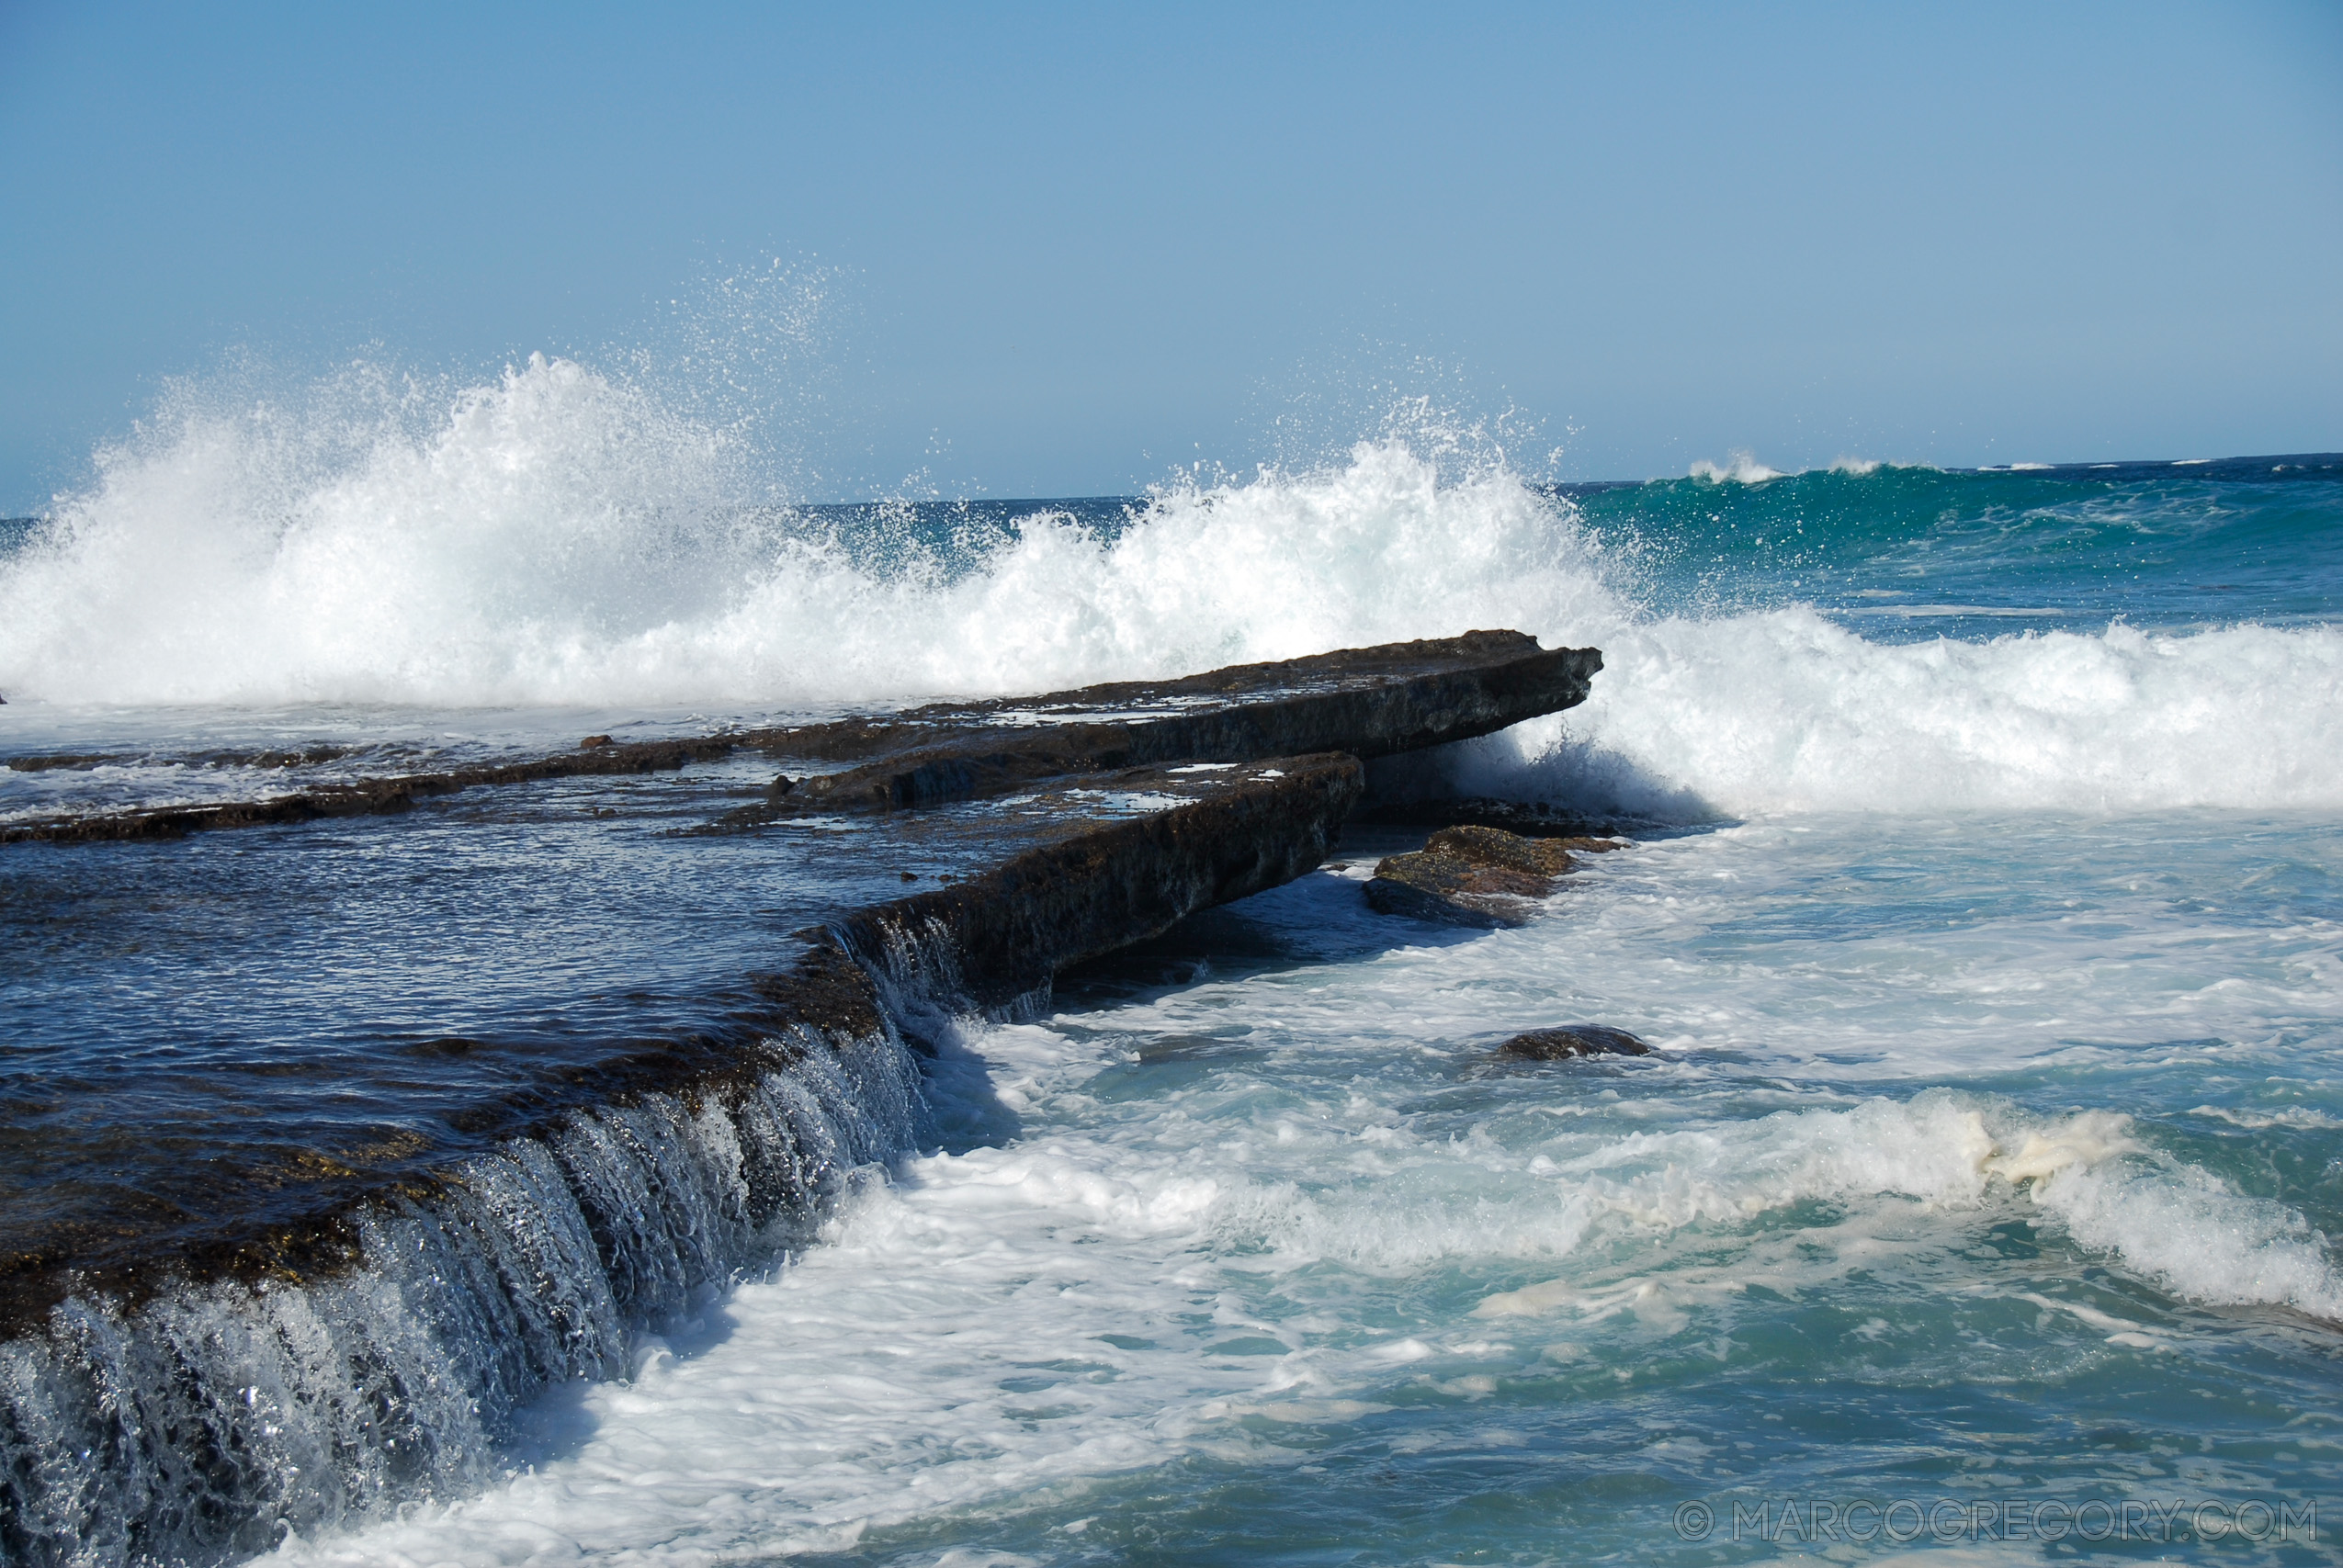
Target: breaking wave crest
{"type": "Point", "coordinates": [890, 1375]}
{"type": "Point", "coordinates": [1785, 711]}
{"type": "Point", "coordinates": [2165, 1218]}
{"type": "Point", "coordinates": [562, 536]}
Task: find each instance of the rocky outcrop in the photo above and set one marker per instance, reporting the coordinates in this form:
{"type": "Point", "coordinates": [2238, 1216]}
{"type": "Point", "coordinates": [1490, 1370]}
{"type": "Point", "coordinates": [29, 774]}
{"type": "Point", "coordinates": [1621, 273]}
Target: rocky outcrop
{"type": "Point", "coordinates": [1120, 882]}
{"type": "Point", "coordinates": [513, 1239]}
{"type": "Point", "coordinates": [1572, 1041]}
{"type": "Point", "coordinates": [1477, 877]}
{"type": "Point", "coordinates": [1075, 878]}
{"type": "Point", "coordinates": [1069, 863]}
{"type": "Point", "coordinates": [1530, 818]}
{"type": "Point", "coordinates": [726, 1145]}
{"type": "Point", "coordinates": [1367, 702]}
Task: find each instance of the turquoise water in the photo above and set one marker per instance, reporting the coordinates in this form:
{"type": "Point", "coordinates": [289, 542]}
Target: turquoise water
{"type": "Point", "coordinates": [2159, 543]}
{"type": "Point", "coordinates": [1986, 913]}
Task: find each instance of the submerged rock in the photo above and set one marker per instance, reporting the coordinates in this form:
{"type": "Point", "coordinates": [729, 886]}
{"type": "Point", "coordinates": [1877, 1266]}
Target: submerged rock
{"type": "Point", "coordinates": [1571, 1041]}
{"type": "Point", "coordinates": [1477, 877]}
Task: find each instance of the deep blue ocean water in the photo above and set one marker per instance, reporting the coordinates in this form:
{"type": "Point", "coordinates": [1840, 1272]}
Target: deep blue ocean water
{"type": "Point", "coordinates": [1987, 914]}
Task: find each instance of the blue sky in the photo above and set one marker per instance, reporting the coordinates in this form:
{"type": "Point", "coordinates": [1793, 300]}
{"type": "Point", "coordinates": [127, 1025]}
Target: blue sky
{"type": "Point", "coordinates": [1061, 250]}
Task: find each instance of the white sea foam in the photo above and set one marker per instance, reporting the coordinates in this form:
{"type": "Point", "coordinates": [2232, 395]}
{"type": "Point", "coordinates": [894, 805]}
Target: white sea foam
{"type": "Point", "coordinates": [559, 536]}
{"type": "Point", "coordinates": [1233, 1214]}
{"type": "Point", "coordinates": [1001, 1323]}
{"type": "Point", "coordinates": [1118, 1289]}
{"type": "Point", "coordinates": [2200, 1236]}
{"type": "Point", "coordinates": [1739, 467]}
{"type": "Point", "coordinates": [1786, 711]}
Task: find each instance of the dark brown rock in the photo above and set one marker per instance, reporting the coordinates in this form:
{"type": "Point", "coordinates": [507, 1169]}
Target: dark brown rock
{"type": "Point", "coordinates": [1369, 702]}
{"type": "Point", "coordinates": [1103, 835]}
{"type": "Point", "coordinates": [1078, 883]}
{"type": "Point", "coordinates": [1052, 875]}
{"type": "Point", "coordinates": [1476, 876]}
{"type": "Point", "coordinates": [1531, 820]}
{"type": "Point", "coordinates": [1119, 882]}
{"type": "Point", "coordinates": [1572, 1041]}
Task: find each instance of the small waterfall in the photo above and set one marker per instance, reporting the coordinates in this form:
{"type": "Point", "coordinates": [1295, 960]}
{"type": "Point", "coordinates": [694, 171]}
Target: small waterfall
{"type": "Point", "coordinates": [197, 1426]}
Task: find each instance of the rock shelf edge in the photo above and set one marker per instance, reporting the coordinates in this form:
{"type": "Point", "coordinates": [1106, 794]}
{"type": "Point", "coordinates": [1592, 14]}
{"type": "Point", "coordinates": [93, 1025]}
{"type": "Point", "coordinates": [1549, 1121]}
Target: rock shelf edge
{"type": "Point", "coordinates": [663, 1172]}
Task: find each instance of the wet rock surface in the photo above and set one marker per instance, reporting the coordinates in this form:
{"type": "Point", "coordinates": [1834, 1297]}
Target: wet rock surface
{"type": "Point", "coordinates": [1528, 819]}
{"type": "Point", "coordinates": [249, 1162]}
{"type": "Point", "coordinates": [1572, 1041]}
{"type": "Point", "coordinates": [1367, 702]}
{"type": "Point", "coordinates": [1371, 701]}
{"type": "Point", "coordinates": [355, 797]}
{"type": "Point", "coordinates": [1477, 876]}
{"type": "Point", "coordinates": [232, 1124]}
{"type": "Point", "coordinates": [476, 1085]}
{"type": "Point", "coordinates": [1111, 884]}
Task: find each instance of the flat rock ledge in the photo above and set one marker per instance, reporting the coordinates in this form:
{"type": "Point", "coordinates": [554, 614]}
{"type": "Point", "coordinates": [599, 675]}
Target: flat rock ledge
{"type": "Point", "coordinates": [1057, 830]}
{"type": "Point", "coordinates": [1478, 876]}
{"type": "Point", "coordinates": [1367, 702]}
{"type": "Point", "coordinates": [1052, 873]}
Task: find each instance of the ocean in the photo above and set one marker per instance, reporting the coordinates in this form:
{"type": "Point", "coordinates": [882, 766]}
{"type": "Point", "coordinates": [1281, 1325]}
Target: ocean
{"type": "Point", "coordinates": [1985, 912]}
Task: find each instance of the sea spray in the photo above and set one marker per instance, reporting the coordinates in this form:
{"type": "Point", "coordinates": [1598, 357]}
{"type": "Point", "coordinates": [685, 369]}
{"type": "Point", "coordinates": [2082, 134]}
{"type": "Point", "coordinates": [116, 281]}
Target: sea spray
{"type": "Point", "coordinates": [561, 536]}
{"type": "Point", "coordinates": [1786, 711]}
